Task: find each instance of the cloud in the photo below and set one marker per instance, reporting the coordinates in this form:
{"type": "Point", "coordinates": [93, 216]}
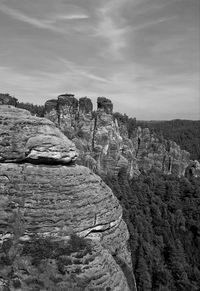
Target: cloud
{"type": "Point", "coordinates": [151, 23]}
{"type": "Point", "coordinates": [45, 23]}
{"type": "Point", "coordinates": [80, 70]}
{"type": "Point", "coordinates": [109, 29]}
{"type": "Point", "coordinates": [34, 87]}
{"type": "Point", "coordinates": [140, 53]}
{"type": "Point", "coordinates": [63, 17]}
{"type": "Point", "coordinates": [138, 91]}
{"type": "Point", "coordinates": [24, 18]}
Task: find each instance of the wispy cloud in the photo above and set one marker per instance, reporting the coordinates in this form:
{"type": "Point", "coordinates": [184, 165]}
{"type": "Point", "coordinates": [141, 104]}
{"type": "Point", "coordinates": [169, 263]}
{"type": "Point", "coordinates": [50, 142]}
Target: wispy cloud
{"type": "Point", "coordinates": [63, 17]}
{"type": "Point", "coordinates": [143, 54]}
{"type": "Point", "coordinates": [45, 23]}
{"type": "Point", "coordinates": [152, 23]}
{"type": "Point", "coordinates": [109, 29]}
{"type": "Point", "coordinates": [16, 14]}
{"type": "Point", "coordinates": [80, 70]}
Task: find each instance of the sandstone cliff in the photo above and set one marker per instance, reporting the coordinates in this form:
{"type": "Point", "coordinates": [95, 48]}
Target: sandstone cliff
{"type": "Point", "coordinates": [44, 194]}
{"type": "Point", "coordinates": [104, 145]}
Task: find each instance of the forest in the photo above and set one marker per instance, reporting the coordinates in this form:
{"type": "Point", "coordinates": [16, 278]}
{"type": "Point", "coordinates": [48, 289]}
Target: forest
{"type": "Point", "coordinates": [163, 217]}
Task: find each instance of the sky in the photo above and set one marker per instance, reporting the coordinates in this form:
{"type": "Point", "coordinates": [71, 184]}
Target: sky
{"type": "Point", "coordinates": [144, 55]}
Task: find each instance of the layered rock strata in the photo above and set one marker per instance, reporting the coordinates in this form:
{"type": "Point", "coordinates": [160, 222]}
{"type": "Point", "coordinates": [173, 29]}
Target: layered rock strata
{"type": "Point", "coordinates": [104, 145]}
{"type": "Point", "coordinates": [43, 192]}
{"type": "Point", "coordinates": [24, 137]}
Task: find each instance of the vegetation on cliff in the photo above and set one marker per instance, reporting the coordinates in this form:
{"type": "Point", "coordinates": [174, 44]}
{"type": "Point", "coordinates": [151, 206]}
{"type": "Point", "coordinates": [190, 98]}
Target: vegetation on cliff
{"type": "Point", "coordinates": [44, 264]}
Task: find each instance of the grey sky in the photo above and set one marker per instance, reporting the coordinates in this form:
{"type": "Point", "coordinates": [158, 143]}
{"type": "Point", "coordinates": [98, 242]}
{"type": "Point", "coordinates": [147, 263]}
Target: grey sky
{"type": "Point", "coordinates": [142, 54]}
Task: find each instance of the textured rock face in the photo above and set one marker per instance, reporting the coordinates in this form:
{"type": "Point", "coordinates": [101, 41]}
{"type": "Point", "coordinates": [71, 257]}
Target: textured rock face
{"type": "Point", "coordinates": [104, 146]}
{"type": "Point", "coordinates": [63, 112]}
{"type": "Point", "coordinates": [81, 194]}
{"type": "Point", "coordinates": [105, 105]}
{"type": "Point", "coordinates": [162, 155]}
{"type": "Point", "coordinates": [51, 110]}
{"type": "Point", "coordinates": [27, 138]}
{"type": "Point", "coordinates": [58, 200]}
{"type": "Point", "coordinates": [85, 106]}
{"type": "Point", "coordinates": [54, 199]}
{"type": "Point", "coordinates": [96, 136]}
{"type": "Point", "coordinates": [85, 121]}
{"type": "Point", "coordinates": [107, 144]}
{"type": "Point", "coordinates": [67, 112]}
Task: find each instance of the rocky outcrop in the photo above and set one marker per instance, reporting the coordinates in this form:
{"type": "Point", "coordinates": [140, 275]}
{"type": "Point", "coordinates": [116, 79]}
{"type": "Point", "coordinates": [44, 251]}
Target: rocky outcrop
{"type": "Point", "coordinates": [154, 153]}
{"type": "Point", "coordinates": [96, 135]}
{"type": "Point", "coordinates": [63, 112]}
{"type": "Point", "coordinates": [104, 105]}
{"type": "Point", "coordinates": [24, 137]}
{"type": "Point", "coordinates": [105, 146]}
{"type": "Point", "coordinates": [107, 142]}
{"type": "Point", "coordinates": [85, 122]}
{"type": "Point", "coordinates": [43, 193]}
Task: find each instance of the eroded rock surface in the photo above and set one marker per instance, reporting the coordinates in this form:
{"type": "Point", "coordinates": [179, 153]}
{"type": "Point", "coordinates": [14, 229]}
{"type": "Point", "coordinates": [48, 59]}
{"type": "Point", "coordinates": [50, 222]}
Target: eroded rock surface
{"type": "Point", "coordinates": [96, 136]}
{"type": "Point", "coordinates": [154, 153]}
{"type": "Point", "coordinates": [54, 198]}
{"type": "Point", "coordinates": [105, 147]}
{"type": "Point", "coordinates": [24, 137]}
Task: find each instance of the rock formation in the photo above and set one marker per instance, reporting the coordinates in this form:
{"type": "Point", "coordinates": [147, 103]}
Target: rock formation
{"type": "Point", "coordinates": [28, 138]}
{"type": "Point", "coordinates": [43, 193]}
{"type": "Point", "coordinates": [154, 153]}
{"type": "Point", "coordinates": [104, 145]}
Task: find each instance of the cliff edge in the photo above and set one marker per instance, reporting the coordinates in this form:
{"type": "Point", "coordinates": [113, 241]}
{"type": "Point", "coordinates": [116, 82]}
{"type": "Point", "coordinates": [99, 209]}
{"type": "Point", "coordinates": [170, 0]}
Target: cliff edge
{"type": "Point", "coordinates": [50, 205]}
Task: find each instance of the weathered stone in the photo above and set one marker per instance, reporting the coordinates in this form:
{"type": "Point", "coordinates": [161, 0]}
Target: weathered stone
{"type": "Point", "coordinates": [104, 104]}
{"type": "Point", "coordinates": [68, 100]}
{"type": "Point", "coordinates": [24, 137]}
{"type": "Point", "coordinates": [85, 105]}
{"type": "Point", "coordinates": [51, 105]}
{"type": "Point", "coordinates": [100, 136]}
{"type": "Point", "coordinates": [85, 121]}
{"type": "Point", "coordinates": [51, 111]}
{"type": "Point", "coordinates": [59, 199]}
{"type": "Point", "coordinates": [107, 141]}
{"type": "Point", "coordinates": [163, 155]}
{"type": "Point", "coordinates": [67, 113]}
{"type": "Point", "coordinates": [55, 201]}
